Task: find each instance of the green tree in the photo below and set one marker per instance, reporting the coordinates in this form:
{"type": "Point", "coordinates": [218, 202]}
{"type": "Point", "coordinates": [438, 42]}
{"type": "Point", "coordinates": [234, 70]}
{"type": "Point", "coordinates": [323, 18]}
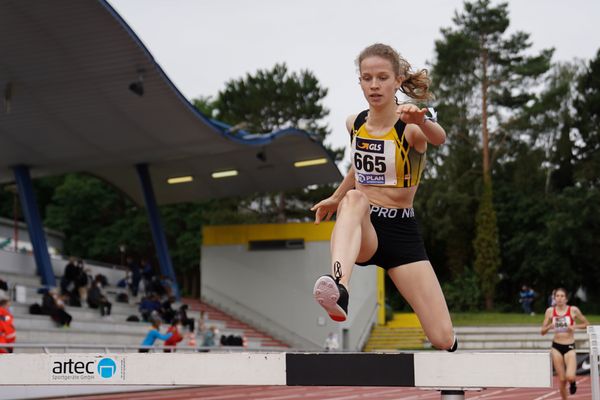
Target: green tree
{"type": "Point", "coordinates": [96, 219]}
{"type": "Point", "coordinates": [206, 105]}
{"type": "Point", "coordinates": [487, 249]}
{"type": "Point", "coordinates": [274, 99]}
{"type": "Point", "coordinates": [548, 123]}
{"type": "Point", "coordinates": [263, 102]}
{"type": "Point", "coordinates": [480, 67]}
{"type": "Point", "coordinates": [587, 107]}
{"type": "Point", "coordinates": [7, 193]}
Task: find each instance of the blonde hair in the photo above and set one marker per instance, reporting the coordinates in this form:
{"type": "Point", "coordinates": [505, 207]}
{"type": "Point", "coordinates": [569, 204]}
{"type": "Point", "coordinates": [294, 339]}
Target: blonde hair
{"type": "Point", "coordinates": [414, 84]}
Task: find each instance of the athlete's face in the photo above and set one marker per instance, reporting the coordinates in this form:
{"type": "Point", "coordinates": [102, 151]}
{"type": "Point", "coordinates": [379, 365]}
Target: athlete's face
{"type": "Point", "coordinates": [560, 298]}
{"type": "Point", "coordinates": [378, 80]}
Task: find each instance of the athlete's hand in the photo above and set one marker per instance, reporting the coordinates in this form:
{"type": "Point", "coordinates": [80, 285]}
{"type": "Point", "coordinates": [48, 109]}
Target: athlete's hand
{"type": "Point", "coordinates": [411, 114]}
{"type": "Point", "coordinates": [325, 209]}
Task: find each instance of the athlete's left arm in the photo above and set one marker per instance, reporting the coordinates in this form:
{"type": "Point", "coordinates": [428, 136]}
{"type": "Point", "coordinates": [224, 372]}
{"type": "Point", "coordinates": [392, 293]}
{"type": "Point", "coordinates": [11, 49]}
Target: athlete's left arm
{"type": "Point", "coordinates": [580, 318]}
{"type": "Point", "coordinates": [421, 129]}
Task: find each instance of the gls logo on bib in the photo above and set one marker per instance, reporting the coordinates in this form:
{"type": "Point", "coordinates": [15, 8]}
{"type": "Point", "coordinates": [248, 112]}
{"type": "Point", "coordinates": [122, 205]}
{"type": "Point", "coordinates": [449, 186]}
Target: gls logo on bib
{"type": "Point", "coordinates": [370, 146]}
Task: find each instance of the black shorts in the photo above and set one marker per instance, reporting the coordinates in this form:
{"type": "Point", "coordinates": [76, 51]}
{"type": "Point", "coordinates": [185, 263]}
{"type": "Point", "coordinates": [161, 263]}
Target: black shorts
{"type": "Point", "coordinates": [398, 236]}
{"type": "Point", "coordinates": [563, 348]}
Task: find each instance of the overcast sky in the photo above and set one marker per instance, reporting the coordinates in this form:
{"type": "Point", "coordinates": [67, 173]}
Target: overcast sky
{"type": "Point", "coordinates": [202, 44]}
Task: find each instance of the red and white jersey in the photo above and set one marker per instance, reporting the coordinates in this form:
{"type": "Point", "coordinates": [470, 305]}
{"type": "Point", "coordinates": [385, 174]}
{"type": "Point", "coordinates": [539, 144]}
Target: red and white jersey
{"type": "Point", "coordinates": [562, 322]}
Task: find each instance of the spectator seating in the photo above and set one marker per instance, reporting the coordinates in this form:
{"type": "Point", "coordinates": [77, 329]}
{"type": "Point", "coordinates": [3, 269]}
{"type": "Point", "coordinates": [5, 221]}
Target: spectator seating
{"type": "Point", "coordinates": [89, 328]}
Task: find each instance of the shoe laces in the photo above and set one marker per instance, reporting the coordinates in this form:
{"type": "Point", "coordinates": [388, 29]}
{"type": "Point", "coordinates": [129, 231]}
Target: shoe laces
{"type": "Point", "coordinates": [337, 271]}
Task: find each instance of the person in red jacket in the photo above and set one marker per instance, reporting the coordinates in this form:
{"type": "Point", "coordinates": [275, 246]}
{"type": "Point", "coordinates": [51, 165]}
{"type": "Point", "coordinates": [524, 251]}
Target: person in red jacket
{"type": "Point", "coordinates": [8, 333]}
{"type": "Point", "coordinates": [175, 330]}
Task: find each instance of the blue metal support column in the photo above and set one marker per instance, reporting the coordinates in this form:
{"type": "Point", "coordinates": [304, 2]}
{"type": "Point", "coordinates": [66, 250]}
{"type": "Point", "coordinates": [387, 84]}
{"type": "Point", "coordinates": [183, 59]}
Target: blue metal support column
{"type": "Point", "coordinates": [160, 242]}
{"type": "Point", "coordinates": [34, 225]}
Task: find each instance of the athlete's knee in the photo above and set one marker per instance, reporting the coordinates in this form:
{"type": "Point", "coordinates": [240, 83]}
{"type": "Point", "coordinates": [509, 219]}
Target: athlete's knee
{"type": "Point", "coordinates": [446, 343]}
{"type": "Point", "coordinates": [443, 339]}
{"type": "Point", "coordinates": [355, 199]}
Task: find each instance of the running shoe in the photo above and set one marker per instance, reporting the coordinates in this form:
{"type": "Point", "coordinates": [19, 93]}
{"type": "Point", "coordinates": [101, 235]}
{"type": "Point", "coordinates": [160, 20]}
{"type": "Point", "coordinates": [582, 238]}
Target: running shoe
{"type": "Point", "coordinates": [573, 388]}
{"type": "Point", "coordinates": [332, 295]}
{"type": "Point", "coordinates": [454, 346]}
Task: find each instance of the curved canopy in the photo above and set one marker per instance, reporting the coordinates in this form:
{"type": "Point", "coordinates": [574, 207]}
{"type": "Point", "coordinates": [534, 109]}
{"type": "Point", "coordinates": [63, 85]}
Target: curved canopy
{"type": "Point", "coordinates": [69, 73]}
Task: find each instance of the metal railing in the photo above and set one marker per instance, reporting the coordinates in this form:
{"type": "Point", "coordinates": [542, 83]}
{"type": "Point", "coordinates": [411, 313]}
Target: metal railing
{"type": "Point", "coordinates": [366, 331]}
{"type": "Point", "coordinates": [112, 348]}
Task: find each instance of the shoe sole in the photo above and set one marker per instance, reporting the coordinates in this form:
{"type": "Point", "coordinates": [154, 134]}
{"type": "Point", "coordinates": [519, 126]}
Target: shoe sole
{"type": "Point", "coordinates": [327, 294]}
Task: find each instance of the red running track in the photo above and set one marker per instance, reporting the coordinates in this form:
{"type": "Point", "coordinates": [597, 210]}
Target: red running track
{"type": "Point", "coordinates": [584, 391]}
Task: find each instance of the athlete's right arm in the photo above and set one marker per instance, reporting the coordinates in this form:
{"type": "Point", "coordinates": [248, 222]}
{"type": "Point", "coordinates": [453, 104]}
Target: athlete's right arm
{"type": "Point", "coordinates": [325, 209]}
{"type": "Point", "coordinates": [547, 324]}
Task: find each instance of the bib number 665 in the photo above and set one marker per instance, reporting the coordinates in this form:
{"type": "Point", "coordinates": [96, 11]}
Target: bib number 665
{"type": "Point", "coordinates": [369, 163]}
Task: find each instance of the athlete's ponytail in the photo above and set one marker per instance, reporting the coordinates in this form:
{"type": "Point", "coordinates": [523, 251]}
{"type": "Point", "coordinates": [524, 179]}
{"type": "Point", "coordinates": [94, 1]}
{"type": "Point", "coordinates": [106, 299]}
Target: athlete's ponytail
{"type": "Point", "coordinates": [416, 85]}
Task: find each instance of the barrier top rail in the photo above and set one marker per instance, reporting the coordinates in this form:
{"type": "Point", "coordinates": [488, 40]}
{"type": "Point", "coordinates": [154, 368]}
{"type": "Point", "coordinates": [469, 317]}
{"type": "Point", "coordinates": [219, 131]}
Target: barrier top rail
{"type": "Point", "coordinates": [427, 369]}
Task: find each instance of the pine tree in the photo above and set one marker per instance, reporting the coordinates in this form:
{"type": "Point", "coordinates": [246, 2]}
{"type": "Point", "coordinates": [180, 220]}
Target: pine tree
{"type": "Point", "coordinates": [487, 249]}
{"type": "Point", "coordinates": [485, 71]}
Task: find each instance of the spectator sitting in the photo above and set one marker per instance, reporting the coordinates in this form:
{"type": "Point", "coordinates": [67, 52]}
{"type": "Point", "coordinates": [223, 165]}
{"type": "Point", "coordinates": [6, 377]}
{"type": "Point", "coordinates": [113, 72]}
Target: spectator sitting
{"type": "Point", "coordinates": [167, 285]}
{"type": "Point", "coordinates": [210, 337]}
{"type": "Point", "coordinates": [152, 335]}
{"type": "Point", "coordinates": [7, 328]}
{"type": "Point", "coordinates": [175, 330]}
{"type": "Point", "coordinates": [148, 306]}
{"type": "Point", "coordinates": [97, 298]}
{"type": "Point", "coordinates": [185, 320]}
{"type": "Point", "coordinates": [53, 305]}
{"type": "Point", "coordinates": [102, 279]}
{"type": "Point", "coordinates": [126, 281]}
{"type": "Point", "coordinates": [82, 281]}
{"type": "Point", "coordinates": [166, 310]}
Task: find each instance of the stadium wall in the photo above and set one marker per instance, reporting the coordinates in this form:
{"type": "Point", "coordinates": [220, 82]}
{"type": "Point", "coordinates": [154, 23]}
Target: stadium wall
{"type": "Point", "coordinates": [272, 288]}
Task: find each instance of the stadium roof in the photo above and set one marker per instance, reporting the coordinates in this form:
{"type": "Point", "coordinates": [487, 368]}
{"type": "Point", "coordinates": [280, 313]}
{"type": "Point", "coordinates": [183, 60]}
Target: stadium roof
{"type": "Point", "coordinates": [68, 105]}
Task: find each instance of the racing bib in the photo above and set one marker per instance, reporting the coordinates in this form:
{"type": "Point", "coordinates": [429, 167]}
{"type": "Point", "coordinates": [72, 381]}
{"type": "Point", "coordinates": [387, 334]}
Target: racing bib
{"type": "Point", "coordinates": [374, 161]}
{"type": "Point", "coordinates": [561, 324]}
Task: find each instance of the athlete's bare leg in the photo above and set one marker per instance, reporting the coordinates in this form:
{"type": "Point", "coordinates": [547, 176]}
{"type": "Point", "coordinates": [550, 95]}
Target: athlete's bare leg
{"type": "Point", "coordinates": [570, 358]}
{"type": "Point", "coordinates": [419, 285]}
{"type": "Point", "coordinates": [559, 366]}
{"type": "Point", "coordinates": [353, 238]}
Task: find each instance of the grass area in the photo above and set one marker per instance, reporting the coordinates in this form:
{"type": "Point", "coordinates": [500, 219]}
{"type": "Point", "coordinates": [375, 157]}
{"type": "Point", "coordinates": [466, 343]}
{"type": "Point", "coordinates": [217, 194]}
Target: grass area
{"type": "Point", "coordinates": [471, 319]}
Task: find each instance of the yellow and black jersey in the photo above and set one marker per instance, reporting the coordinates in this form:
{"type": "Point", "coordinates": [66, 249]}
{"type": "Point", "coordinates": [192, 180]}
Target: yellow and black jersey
{"type": "Point", "coordinates": [387, 160]}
